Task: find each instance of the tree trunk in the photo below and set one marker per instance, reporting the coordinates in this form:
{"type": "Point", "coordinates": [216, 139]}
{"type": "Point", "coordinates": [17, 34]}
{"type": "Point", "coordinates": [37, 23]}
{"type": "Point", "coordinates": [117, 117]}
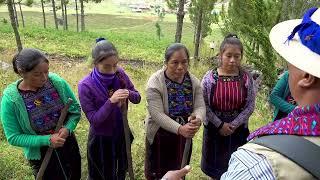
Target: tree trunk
{"type": "Point", "coordinates": [198, 34]}
{"type": "Point", "coordinates": [194, 34]}
{"type": "Point", "coordinates": [43, 15]}
{"type": "Point", "coordinates": [180, 16]}
{"type": "Point", "coordinates": [82, 16]}
{"type": "Point", "coordinates": [65, 16]}
{"type": "Point", "coordinates": [15, 14]}
{"type": "Point", "coordinates": [77, 14]}
{"type": "Point", "coordinates": [14, 24]}
{"type": "Point", "coordinates": [21, 13]}
{"type": "Point", "coordinates": [54, 13]}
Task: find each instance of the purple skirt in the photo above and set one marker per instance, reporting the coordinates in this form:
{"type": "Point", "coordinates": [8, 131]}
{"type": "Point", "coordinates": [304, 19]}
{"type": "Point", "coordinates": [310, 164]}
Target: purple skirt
{"type": "Point", "coordinates": [107, 158]}
{"type": "Point", "coordinates": [164, 154]}
{"type": "Point", "coordinates": [217, 149]}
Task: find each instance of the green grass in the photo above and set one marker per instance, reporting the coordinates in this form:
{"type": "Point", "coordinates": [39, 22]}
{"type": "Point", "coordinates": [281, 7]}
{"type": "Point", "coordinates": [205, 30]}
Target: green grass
{"type": "Point", "coordinates": [13, 164]}
{"type": "Point", "coordinates": [104, 7]}
{"type": "Point", "coordinates": [135, 38]}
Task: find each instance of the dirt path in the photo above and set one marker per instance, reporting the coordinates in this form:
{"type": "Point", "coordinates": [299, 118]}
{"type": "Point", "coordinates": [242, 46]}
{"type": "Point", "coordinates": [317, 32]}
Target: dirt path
{"type": "Point", "coordinates": [135, 63]}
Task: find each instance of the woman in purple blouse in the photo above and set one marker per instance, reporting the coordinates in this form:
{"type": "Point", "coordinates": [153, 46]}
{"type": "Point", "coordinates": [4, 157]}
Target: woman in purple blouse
{"type": "Point", "coordinates": [101, 94]}
{"type": "Point", "coordinates": [230, 98]}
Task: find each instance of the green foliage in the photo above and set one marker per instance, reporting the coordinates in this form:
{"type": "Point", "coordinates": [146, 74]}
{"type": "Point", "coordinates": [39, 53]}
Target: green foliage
{"type": "Point", "coordinates": [4, 21]}
{"type": "Point", "coordinates": [159, 10]}
{"type": "Point", "coordinates": [97, 1]}
{"type": "Point", "coordinates": [29, 3]}
{"type": "Point", "coordinates": [172, 4]}
{"type": "Point", "coordinates": [223, 12]}
{"type": "Point", "coordinates": [207, 18]}
{"type": "Point", "coordinates": [254, 26]}
{"type": "Point", "coordinates": [295, 9]}
{"type": "Point", "coordinates": [161, 14]}
{"type": "Point", "coordinates": [135, 37]}
{"type": "Point", "coordinates": [158, 30]}
{"type": "Point", "coordinates": [263, 111]}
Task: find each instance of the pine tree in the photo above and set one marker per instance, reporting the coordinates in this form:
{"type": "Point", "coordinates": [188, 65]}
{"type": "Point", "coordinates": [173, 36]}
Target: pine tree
{"type": "Point", "coordinates": [201, 17]}
{"type": "Point", "coordinates": [252, 20]}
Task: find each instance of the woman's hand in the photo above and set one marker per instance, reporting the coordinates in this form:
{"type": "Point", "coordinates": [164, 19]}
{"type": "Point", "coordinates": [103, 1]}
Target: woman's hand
{"type": "Point", "coordinates": [191, 128]}
{"type": "Point", "coordinates": [56, 141]}
{"type": "Point", "coordinates": [63, 133]}
{"type": "Point", "coordinates": [227, 129]}
{"type": "Point", "coordinates": [195, 122]}
{"type": "Point", "coordinates": [188, 130]}
{"type": "Point", "coordinates": [120, 94]}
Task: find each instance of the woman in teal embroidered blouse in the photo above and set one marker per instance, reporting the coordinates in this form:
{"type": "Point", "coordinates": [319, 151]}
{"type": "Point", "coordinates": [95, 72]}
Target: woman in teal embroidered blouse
{"type": "Point", "coordinates": [281, 98]}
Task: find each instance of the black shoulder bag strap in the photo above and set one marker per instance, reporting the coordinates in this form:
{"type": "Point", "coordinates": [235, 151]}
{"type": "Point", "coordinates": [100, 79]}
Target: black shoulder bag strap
{"type": "Point", "coordinates": [299, 150]}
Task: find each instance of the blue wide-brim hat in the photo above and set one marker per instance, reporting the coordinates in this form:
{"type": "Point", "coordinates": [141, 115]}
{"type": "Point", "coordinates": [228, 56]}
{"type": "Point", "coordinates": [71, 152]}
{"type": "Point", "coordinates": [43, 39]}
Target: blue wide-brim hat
{"type": "Point", "coordinates": [298, 41]}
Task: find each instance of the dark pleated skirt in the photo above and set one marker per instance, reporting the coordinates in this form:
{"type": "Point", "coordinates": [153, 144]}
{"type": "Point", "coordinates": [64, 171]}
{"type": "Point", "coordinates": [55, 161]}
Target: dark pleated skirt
{"type": "Point", "coordinates": [107, 158]}
{"type": "Point", "coordinates": [217, 149]}
{"type": "Point", "coordinates": [164, 154]}
{"type": "Point", "coordinates": [65, 162]}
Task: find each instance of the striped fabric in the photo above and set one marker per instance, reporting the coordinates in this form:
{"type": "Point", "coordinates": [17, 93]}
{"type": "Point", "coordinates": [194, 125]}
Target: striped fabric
{"type": "Point", "coordinates": [209, 83]}
{"type": "Point", "coordinates": [247, 165]}
{"type": "Point", "coordinates": [229, 95]}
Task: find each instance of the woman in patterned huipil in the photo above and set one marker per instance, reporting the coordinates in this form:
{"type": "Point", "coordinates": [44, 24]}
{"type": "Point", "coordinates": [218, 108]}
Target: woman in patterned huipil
{"type": "Point", "coordinates": [30, 110]}
{"type": "Point", "coordinates": [229, 97]}
{"type": "Point", "coordinates": [176, 109]}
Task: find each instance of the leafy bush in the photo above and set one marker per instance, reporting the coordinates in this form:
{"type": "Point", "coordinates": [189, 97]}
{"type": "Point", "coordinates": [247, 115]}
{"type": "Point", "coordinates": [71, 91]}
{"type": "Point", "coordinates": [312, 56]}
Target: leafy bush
{"type": "Point", "coordinates": [4, 21]}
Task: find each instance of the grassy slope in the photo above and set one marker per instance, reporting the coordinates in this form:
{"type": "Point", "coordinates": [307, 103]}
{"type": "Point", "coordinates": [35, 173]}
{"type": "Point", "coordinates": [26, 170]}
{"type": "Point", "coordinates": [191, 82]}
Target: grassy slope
{"type": "Point", "coordinates": [132, 35]}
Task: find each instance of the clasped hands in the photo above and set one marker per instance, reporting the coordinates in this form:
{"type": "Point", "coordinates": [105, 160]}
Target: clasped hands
{"type": "Point", "coordinates": [120, 96]}
{"type": "Point", "coordinates": [191, 128]}
{"type": "Point", "coordinates": [58, 139]}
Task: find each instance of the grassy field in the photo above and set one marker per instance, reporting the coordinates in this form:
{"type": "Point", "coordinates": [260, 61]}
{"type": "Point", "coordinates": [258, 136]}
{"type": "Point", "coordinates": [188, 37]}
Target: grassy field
{"type": "Point", "coordinates": [132, 36]}
{"type": "Point", "coordinates": [131, 32]}
{"type": "Point", "coordinates": [69, 52]}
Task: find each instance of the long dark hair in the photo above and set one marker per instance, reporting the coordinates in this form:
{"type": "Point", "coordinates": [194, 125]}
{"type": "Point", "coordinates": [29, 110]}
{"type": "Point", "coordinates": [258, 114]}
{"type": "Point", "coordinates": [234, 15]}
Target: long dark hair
{"type": "Point", "coordinates": [172, 48]}
{"type": "Point", "coordinates": [103, 49]}
{"type": "Point", "coordinates": [27, 59]}
{"type": "Point", "coordinates": [231, 39]}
